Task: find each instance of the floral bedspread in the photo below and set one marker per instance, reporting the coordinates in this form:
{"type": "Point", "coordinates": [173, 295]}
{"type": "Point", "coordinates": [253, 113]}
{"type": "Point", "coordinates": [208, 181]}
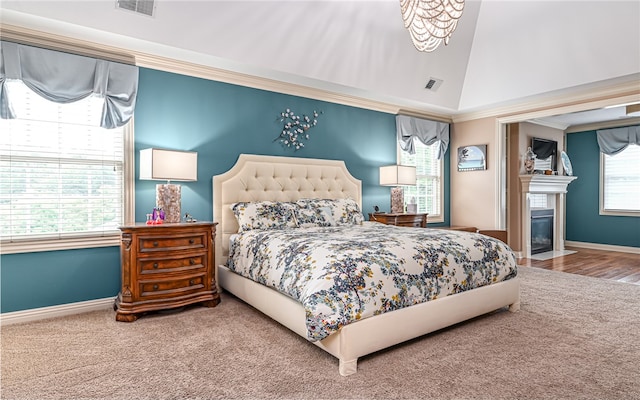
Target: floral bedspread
{"type": "Point", "coordinates": [341, 274]}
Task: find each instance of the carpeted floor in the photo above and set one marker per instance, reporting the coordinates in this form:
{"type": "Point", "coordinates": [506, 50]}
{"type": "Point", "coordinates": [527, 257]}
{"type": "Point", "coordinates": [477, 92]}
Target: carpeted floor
{"type": "Point", "coordinates": [574, 338]}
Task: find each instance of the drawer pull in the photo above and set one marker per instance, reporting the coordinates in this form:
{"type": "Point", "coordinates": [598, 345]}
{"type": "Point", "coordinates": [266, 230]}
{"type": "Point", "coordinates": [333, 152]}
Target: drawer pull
{"type": "Point", "coordinates": [192, 261]}
{"type": "Point", "coordinates": [192, 282]}
{"type": "Point", "coordinates": [191, 241]}
{"type": "Point", "coordinates": [155, 287]}
{"type": "Point", "coordinates": [155, 265]}
{"type": "Point", "coordinates": [155, 244]}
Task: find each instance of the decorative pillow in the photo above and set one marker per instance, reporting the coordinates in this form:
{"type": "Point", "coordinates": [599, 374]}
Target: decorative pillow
{"type": "Point", "coordinates": [309, 215]}
{"type": "Point", "coordinates": [265, 215]}
{"type": "Point", "coordinates": [343, 211]}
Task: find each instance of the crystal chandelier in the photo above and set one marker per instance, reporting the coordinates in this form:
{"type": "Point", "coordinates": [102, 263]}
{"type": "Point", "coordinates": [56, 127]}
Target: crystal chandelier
{"type": "Point", "coordinates": [431, 21]}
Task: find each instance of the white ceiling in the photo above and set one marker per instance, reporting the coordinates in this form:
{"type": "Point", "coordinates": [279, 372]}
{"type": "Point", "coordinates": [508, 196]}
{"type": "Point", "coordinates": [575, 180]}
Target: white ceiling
{"type": "Point", "coordinates": [504, 52]}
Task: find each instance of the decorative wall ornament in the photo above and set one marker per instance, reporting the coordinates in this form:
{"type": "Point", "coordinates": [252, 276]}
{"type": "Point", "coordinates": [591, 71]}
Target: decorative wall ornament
{"type": "Point", "coordinates": [295, 129]}
{"type": "Point", "coordinates": [472, 158]}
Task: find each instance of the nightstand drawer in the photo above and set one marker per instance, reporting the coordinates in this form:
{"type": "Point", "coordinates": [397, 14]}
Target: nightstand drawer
{"type": "Point", "coordinates": [415, 224]}
{"type": "Point", "coordinates": [172, 265]}
{"type": "Point", "coordinates": [161, 288]}
{"type": "Point", "coordinates": [171, 243]}
{"type": "Point", "coordinates": [403, 219]}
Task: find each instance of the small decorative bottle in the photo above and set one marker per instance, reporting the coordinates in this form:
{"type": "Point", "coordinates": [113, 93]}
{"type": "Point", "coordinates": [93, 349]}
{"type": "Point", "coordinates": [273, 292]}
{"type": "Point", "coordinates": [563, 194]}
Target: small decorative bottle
{"type": "Point", "coordinates": [529, 161]}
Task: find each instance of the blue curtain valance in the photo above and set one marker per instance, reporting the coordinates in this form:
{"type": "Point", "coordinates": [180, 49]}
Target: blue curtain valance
{"type": "Point", "coordinates": [428, 132]}
{"type": "Point", "coordinates": [613, 141]}
{"type": "Point", "coordinates": [64, 78]}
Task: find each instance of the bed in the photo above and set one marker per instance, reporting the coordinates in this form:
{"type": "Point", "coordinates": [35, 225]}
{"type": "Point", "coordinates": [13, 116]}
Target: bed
{"type": "Point", "coordinates": [256, 178]}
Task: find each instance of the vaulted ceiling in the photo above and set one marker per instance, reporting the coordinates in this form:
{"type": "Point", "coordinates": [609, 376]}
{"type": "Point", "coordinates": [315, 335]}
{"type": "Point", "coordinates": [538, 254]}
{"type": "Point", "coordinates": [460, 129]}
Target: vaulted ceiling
{"type": "Point", "coordinates": [503, 52]}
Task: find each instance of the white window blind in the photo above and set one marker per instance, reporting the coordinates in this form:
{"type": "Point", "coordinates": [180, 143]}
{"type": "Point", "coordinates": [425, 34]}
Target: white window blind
{"type": "Point", "coordinates": [620, 187]}
{"type": "Point", "coordinates": [428, 189]}
{"type": "Point", "coordinates": [61, 175]}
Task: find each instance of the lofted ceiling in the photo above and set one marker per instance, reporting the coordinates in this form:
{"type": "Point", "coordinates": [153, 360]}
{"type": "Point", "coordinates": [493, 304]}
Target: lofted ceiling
{"type": "Point", "coordinates": [503, 52]}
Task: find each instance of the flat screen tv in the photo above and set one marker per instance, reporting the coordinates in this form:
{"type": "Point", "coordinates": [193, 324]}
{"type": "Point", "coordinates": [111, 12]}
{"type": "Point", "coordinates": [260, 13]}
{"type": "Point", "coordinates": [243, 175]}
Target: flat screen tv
{"type": "Point", "coordinates": [546, 151]}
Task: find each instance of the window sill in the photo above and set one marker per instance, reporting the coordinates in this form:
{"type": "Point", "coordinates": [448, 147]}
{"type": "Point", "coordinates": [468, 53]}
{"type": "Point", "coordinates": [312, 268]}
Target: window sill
{"type": "Point", "coordinates": [33, 246]}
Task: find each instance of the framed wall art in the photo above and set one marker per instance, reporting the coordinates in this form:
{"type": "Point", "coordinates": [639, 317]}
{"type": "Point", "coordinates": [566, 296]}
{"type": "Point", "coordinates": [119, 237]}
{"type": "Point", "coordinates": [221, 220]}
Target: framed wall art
{"type": "Point", "coordinates": [472, 158]}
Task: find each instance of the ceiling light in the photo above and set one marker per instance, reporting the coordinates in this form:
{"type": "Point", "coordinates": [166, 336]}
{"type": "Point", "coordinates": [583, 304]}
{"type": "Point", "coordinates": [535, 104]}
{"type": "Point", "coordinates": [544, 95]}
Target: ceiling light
{"type": "Point", "coordinates": [430, 22]}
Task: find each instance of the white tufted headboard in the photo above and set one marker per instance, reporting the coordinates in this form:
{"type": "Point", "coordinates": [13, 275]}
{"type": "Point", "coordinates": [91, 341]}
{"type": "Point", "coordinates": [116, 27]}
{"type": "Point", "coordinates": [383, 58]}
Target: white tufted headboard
{"type": "Point", "coordinates": [261, 178]}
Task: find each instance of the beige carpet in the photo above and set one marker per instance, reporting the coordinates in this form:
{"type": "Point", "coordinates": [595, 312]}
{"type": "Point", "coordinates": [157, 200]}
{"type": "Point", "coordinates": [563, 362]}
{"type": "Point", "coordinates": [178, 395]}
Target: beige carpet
{"type": "Point", "coordinates": [574, 338]}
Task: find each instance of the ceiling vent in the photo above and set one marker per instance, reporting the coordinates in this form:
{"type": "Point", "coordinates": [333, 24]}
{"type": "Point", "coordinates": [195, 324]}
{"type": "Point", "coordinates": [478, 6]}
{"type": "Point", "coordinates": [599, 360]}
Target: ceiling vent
{"type": "Point", "coordinates": [433, 84]}
{"type": "Point", "coordinates": [145, 7]}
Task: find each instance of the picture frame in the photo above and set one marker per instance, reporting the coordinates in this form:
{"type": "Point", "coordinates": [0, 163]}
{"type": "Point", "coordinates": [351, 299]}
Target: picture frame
{"type": "Point", "coordinates": [472, 158]}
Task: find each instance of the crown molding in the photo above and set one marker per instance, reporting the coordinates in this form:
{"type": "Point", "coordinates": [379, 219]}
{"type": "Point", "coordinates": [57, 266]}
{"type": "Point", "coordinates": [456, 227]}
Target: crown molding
{"type": "Point", "coordinates": [534, 108]}
{"type": "Point", "coordinates": [74, 45]}
{"type": "Point", "coordinates": [583, 100]}
{"type": "Point", "coordinates": [548, 124]}
{"type": "Point", "coordinates": [603, 125]}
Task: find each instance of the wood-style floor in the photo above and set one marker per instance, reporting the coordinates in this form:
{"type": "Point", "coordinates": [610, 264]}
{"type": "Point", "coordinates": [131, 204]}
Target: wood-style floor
{"type": "Point", "coordinates": [623, 267]}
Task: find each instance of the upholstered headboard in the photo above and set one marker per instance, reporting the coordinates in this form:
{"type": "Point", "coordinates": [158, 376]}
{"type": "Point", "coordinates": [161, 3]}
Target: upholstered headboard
{"type": "Point", "coordinates": [261, 178]}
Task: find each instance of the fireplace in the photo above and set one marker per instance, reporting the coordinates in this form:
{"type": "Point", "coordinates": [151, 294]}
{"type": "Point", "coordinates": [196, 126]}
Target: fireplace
{"type": "Point", "coordinates": [555, 187]}
{"type": "Point", "coordinates": [541, 230]}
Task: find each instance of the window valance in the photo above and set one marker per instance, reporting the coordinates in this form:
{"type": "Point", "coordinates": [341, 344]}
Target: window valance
{"type": "Point", "coordinates": [613, 141]}
{"type": "Point", "coordinates": [65, 78]}
{"type": "Point", "coordinates": [427, 131]}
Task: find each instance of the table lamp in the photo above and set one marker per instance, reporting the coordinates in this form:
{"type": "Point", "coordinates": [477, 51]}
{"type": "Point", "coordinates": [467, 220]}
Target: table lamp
{"type": "Point", "coordinates": [169, 165]}
{"type": "Point", "coordinates": [397, 176]}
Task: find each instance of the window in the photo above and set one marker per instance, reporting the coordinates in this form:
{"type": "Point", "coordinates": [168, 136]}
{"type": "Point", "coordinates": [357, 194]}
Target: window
{"type": "Point", "coordinates": [62, 177]}
{"type": "Point", "coordinates": [428, 191]}
{"type": "Point", "coordinates": [620, 182]}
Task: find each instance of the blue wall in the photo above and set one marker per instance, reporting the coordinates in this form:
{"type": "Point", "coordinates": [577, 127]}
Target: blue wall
{"type": "Point", "coordinates": [584, 223]}
{"type": "Point", "coordinates": [219, 121]}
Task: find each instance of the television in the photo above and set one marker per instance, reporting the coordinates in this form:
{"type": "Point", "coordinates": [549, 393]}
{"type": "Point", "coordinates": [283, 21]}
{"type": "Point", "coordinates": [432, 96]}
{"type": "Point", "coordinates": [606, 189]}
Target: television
{"type": "Point", "coordinates": [546, 151]}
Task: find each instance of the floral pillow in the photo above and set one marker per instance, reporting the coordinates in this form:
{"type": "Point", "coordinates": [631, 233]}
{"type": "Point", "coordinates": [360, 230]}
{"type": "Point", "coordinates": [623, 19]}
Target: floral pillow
{"type": "Point", "coordinates": [343, 211]}
{"type": "Point", "coordinates": [265, 215]}
{"type": "Point", "coordinates": [309, 215]}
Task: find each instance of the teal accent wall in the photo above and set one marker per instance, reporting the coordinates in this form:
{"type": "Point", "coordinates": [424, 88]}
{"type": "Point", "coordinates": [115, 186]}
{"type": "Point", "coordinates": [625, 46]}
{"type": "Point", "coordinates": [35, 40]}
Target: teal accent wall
{"type": "Point", "coordinates": [219, 121]}
{"type": "Point", "coordinates": [33, 280]}
{"type": "Point", "coordinates": [584, 222]}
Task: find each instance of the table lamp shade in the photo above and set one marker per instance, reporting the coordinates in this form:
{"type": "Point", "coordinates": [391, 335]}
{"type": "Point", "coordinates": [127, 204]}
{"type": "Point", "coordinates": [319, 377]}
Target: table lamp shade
{"type": "Point", "coordinates": [169, 165]}
{"type": "Point", "coordinates": [397, 176]}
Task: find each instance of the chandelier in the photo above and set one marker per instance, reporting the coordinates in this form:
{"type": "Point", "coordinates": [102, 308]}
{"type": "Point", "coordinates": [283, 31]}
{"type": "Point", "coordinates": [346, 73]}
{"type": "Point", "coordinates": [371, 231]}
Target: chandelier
{"type": "Point", "coordinates": [430, 22]}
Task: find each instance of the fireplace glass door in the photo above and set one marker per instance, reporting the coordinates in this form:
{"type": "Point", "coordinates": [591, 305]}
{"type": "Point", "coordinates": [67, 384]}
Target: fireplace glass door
{"type": "Point", "coordinates": [541, 230]}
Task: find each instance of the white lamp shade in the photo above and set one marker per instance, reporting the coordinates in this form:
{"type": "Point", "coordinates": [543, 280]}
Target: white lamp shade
{"type": "Point", "coordinates": [397, 175]}
{"type": "Point", "coordinates": [168, 165]}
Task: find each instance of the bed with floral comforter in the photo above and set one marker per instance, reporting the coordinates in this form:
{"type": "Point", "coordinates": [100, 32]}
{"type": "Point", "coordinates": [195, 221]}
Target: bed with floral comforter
{"type": "Point", "coordinates": [345, 273]}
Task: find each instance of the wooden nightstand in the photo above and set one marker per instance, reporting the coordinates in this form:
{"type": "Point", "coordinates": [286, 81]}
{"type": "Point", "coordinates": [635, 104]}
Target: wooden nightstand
{"type": "Point", "coordinates": [414, 220]}
{"type": "Point", "coordinates": [166, 266]}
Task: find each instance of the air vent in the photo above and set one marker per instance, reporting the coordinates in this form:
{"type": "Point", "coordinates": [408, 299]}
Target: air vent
{"type": "Point", "coordinates": [145, 7]}
{"type": "Point", "coordinates": [433, 84]}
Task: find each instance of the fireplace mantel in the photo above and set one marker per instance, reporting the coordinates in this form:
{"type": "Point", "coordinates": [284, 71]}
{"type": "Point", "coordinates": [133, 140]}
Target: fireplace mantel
{"type": "Point", "coordinates": [554, 185]}
{"type": "Point", "coordinates": [545, 183]}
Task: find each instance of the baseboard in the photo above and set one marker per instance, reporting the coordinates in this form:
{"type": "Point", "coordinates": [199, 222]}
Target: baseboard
{"type": "Point", "coordinates": [62, 310]}
{"type": "Point", "coordinates": [606, 247]}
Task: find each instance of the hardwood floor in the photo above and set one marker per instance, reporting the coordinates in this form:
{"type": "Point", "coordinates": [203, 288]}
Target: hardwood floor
{"type": "Point", "coordinates": [623, 267]}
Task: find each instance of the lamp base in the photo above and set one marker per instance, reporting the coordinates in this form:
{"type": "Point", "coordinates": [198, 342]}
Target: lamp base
{"type": "Point", "coordinates": [397, 200]}
{"type": "Point", "coordinates": [168, 197]}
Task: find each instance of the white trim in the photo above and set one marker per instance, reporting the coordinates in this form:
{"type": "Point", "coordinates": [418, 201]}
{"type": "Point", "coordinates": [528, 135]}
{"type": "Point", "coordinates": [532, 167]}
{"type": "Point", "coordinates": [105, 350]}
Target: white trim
{"type": "Point", "coordinates": [613, 95]}
{"type": "Point", "coordinates": [500, 176]}
{"type": "Point", "coordinates": [34, 246]}
{"type": "Point", "coordinates": [36, 314]}
{"type": "Point", "coordinates": [603, 125]}
{"type": "Point", "coordinates": [601, 185]}
{"type": "Point", "coordinates": [129, 173]}
{"type": "Point", "coordinates": [606, 247]}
